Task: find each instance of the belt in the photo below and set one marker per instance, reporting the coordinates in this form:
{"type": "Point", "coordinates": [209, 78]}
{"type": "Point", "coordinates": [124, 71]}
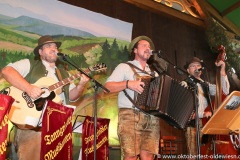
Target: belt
{"type": "Point", "coordinates": [134, 110]}
{"type": "Point", "coordinates": [37, 129]}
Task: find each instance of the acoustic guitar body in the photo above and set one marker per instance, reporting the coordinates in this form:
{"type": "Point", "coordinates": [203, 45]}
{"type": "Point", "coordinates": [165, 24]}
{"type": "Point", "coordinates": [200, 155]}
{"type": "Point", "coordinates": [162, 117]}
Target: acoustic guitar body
{"type": "Point", "coordinates": [25, 112]}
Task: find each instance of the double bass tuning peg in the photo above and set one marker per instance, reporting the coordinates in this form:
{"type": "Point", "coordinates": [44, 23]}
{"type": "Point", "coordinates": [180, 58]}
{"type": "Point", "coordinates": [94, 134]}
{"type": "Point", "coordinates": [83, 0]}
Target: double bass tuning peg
{"type": "Point", "coordinates": [221, 48]}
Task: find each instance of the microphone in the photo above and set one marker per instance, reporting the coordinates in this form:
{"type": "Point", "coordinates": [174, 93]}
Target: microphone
{"type": "Point", "coordinates": [155, 52]}
{"type": "Point", "coordinates": [60, 54]}
{"type": "Point", "coordinates": [199, 69]}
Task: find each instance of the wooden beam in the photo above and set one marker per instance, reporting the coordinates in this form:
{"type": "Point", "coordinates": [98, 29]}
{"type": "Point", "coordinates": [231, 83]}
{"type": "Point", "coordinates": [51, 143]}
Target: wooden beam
{"type": "Point", "coordinates": [210, 11]}
{"type": "Point", "coordinates": [201, 12]}
{"type": "Point", "coordinates": [230, 9]}
{"type": "Point", "coordinates": [161, 9]}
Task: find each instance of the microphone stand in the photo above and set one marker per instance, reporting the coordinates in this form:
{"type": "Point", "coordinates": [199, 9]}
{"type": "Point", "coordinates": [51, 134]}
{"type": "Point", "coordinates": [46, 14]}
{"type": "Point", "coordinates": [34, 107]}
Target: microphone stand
{"type": "Point", "coordinates": [95, 86]}
{"type": "Point", "coordinates": [195, 103]}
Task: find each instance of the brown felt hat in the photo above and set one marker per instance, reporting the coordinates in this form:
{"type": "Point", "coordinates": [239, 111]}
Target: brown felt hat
{"type": "Point", "coordinates": [44, 40]}
{"type": "Point", "coordinates": [194, 59]}
{"type": "Point", "coordinates": [137, 39]}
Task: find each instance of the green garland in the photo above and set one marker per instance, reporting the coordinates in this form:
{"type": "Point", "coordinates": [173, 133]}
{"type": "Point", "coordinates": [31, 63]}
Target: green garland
{"type": "Point", "coordinates": [217, 35]}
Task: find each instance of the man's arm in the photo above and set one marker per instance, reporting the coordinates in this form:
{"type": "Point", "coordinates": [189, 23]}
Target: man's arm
{"type": "Point", "coordinates": [119, 86]}
{"type": "Point", "coordinates": [78, 90]}
{"type": "Point", "coordinates": [223, 67]}
{"type": "Point", "coordinates": [116, 86]}
{"type": "Point", "coordinates": [15, 79]}
{"type": "Point", "coordinates": [224, 78]}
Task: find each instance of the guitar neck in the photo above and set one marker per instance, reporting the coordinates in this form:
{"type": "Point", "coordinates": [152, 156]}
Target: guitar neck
{"type": "Point", "coordinates": [66, 81]}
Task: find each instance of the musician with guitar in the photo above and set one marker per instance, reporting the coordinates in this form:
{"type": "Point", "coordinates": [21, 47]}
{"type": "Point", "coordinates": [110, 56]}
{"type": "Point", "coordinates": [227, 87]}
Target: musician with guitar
{"type": "Point", "coordinates": [23, 74]}
{"type": "Point", "coordinates": [138, 132]}
{"type": "Point", "coordinates": [194, 67]}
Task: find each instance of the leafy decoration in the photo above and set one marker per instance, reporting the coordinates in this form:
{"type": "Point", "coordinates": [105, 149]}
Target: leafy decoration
{"type": "Point", "coordinates": [218, 35]}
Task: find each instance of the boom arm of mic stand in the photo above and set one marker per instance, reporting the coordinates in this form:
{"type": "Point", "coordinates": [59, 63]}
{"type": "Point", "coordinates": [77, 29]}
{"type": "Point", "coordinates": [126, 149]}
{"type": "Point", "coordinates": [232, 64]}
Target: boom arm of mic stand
{"type": "Point", "coordinates": [176, 67]}
{"type": "Point", "coordinates": [96, 86]}
{"type": "Point", "coordinates": [83, 72]}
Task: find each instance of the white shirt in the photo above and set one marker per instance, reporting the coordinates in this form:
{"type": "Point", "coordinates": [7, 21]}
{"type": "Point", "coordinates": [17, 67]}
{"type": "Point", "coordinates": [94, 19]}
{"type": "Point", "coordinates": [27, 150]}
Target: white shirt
{"type": "Point", "coordinates": [124, 72]}
{"type": "Point", "coordinates": [203, 104]}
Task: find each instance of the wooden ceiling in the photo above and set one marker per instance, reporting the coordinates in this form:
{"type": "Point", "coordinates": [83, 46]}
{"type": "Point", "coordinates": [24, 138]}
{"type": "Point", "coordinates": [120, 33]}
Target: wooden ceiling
{"type": "Point", "coordinates": [227, 8]}
{"type": "Point", "coordinates": [225, 14]}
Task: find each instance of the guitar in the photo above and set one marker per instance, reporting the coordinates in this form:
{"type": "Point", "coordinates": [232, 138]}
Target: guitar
{"type": "Point", "coordinates": [25, 112]}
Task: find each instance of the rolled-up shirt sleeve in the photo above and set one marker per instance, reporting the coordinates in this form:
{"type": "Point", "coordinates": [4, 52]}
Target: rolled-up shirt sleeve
{"type": "Point", "coordinates": [225, 85]}
{"type": "Point", "coordinates": [22, 66]}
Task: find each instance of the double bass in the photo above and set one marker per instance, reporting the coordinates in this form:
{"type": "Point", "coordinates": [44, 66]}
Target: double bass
{"type": "Point", "coordinates": [219, 145]}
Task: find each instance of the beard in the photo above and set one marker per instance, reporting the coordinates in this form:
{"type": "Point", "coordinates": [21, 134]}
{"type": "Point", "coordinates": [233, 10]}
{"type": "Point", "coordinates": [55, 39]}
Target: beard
{"type": "Point", "coordinates": [50, 59]}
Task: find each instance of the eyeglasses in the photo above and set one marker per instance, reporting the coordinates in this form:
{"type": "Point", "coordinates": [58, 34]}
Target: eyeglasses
{"type": "Point", "coordinates": [194, 65]}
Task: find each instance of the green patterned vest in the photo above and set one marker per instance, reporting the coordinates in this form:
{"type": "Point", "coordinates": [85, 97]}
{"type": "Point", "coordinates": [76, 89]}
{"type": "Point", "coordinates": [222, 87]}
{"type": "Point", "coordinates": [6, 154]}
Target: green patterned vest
{"type": "Point", "coordinates": [38, 70]}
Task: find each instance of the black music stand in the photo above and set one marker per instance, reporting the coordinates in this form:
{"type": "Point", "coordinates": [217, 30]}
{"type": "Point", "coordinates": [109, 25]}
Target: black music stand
{"type": "Point", "coordinates": [77, 126]}
{"type": "Point", "coordinates": [196, 103]}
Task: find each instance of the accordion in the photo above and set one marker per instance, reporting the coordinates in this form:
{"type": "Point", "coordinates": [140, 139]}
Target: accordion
{"type": "Point", "coordinates": [166, 98]}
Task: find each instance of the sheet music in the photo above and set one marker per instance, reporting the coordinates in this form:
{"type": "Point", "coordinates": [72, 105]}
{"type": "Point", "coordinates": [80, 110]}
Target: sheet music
{"type": "Point", "coordinates": [233, 103]}
{"type": "Point", "coordinates": [77, 128]}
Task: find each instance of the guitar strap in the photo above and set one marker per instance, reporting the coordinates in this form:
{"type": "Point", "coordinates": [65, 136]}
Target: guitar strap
{"type": "Point", "coordinates": [59, 75]}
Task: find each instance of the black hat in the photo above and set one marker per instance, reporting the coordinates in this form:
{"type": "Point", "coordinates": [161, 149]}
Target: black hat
{"type": "Point", "coordinates": [45, 40]}
{"type": "Point", "coordinates": [194, 59]}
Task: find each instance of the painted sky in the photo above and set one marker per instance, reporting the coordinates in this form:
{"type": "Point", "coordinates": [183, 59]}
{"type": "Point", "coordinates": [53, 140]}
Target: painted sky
{"type": "Point", "coordinates": [67, 15]}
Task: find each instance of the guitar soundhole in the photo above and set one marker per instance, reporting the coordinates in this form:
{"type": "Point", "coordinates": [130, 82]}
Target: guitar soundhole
{"type": "Point", "coordinates": [28, 100]}
{"type": "Point", "coordinates": [39, 103]}
{"type": "Point", "coordinates": [46, 92]}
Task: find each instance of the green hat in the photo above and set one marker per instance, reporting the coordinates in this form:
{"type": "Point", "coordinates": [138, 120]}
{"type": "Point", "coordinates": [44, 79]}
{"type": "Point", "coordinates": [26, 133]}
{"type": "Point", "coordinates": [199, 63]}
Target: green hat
{"type": "Point", "coordinates": [45, 40]}
{"type": "Point", "coordinates": [194, 59]}
{"type": "Point", "coordinates": [137, 39]}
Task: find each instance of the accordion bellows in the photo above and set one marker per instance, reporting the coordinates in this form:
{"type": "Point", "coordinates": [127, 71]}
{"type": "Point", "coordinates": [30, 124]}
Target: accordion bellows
{"type": "Point", "coordinates": [166, 98]}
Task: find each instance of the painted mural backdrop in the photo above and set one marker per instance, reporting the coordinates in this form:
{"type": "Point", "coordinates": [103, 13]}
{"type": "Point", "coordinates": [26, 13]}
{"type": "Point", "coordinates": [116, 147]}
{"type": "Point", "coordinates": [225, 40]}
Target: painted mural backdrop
{"type": "Point", "coordinates": [88, 38]}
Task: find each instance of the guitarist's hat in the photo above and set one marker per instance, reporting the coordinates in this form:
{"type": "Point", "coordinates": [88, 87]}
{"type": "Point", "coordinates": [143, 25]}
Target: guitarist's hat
{"type": "Point", "coordinates": [194, 59]}
{"type": "Point", "coordinates": [45, 40]}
